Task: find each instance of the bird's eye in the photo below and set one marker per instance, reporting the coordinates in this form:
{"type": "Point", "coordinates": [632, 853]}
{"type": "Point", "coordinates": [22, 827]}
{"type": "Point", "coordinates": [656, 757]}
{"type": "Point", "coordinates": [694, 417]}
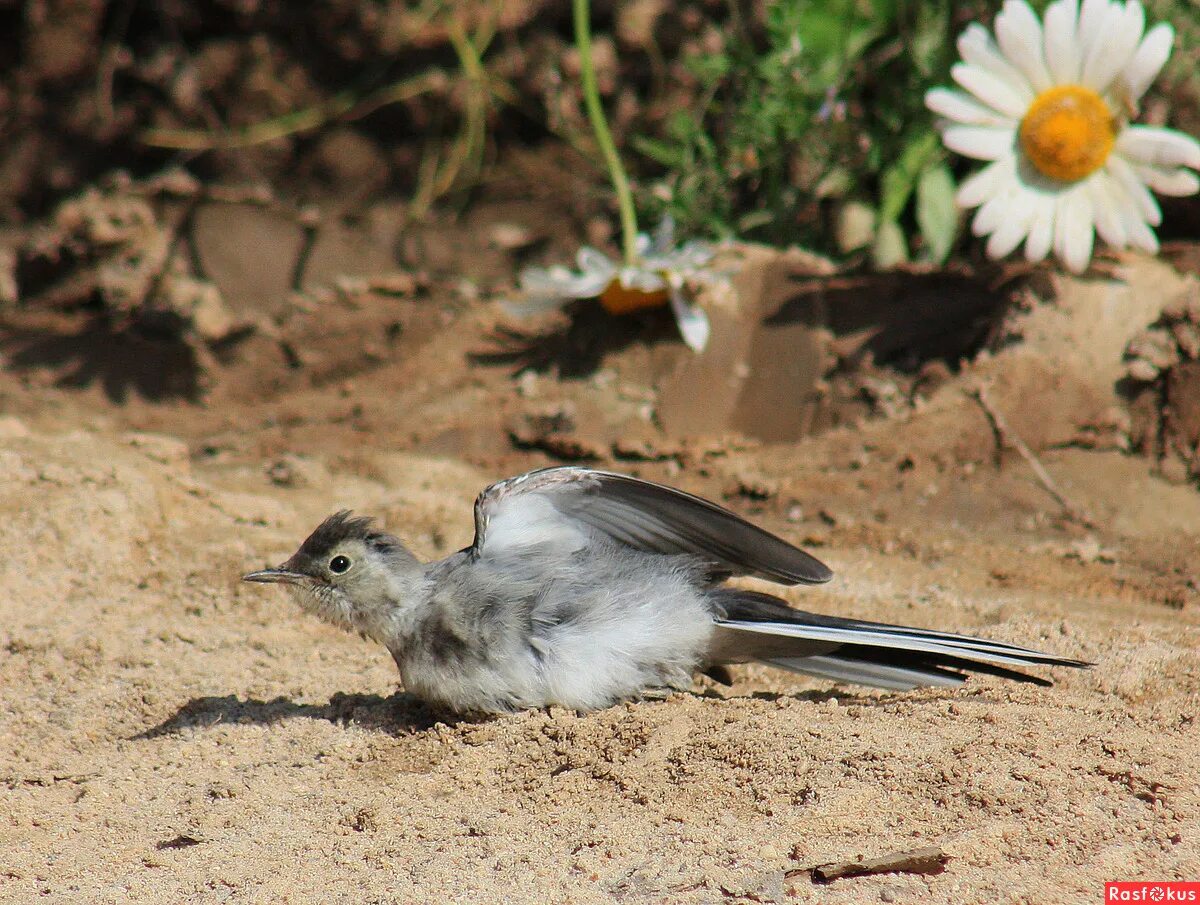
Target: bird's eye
{"type": "Point", "coordinates": [339, 564]}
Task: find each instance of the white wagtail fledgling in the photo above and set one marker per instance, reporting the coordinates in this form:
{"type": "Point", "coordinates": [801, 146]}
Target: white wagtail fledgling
{"type": "Point", "coordinates": [584, 588]}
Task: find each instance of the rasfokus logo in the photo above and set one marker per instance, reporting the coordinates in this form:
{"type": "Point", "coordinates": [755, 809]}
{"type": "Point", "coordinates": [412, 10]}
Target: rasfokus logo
{"type": "Point", "coordinates": [1153, 891]}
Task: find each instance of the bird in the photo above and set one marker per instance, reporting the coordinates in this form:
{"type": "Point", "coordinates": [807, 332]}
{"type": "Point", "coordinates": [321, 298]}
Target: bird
{"type": "Point", "coordinates": [586, 588]}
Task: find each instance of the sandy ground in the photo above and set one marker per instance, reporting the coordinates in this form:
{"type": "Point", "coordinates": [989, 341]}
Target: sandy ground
{"type": "Point", "coordinates": [171, 735]}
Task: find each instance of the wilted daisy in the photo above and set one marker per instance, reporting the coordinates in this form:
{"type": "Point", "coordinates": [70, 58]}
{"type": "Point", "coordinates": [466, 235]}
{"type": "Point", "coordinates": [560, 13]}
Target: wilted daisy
{"type": "Point", "coordinates": [657, 277]}
{"type": "Point", "coordinates": [1049, 107]}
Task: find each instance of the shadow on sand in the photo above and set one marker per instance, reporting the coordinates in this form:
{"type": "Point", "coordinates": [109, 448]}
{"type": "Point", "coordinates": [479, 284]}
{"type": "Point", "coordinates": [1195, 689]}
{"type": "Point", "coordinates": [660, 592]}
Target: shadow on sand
{"type": "Point", "coordinates": [400, 714]}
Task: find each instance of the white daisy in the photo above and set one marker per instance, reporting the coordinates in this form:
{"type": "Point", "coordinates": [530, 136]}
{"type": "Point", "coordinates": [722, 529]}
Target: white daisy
{"type": "Point", "coordinates": [1049, 106]}
{"type": "Point", "coordinates": [657, 278]}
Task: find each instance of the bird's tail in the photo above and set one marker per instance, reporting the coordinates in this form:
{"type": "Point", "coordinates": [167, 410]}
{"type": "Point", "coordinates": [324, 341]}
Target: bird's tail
{"type": "Point", "coordinates": [755, 626]}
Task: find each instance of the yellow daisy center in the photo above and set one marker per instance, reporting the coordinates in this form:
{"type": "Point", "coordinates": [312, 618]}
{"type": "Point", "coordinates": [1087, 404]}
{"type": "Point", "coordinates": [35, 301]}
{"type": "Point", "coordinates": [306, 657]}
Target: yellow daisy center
{"type": "Point", "coordinates": [616, 299]}
{"type": "Point", "coordinates": [1068, 132]}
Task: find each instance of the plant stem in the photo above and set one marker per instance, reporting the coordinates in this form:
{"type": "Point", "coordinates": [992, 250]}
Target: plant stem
{"type": "Point", "coordinates": [591, 97]}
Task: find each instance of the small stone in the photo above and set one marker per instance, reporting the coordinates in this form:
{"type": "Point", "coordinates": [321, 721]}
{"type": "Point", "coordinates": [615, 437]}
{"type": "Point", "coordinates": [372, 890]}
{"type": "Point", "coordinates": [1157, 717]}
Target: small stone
{"type": "Point", "coordinates": [527, 384]}
{"type": "Point", "coordinates": [210, 318]}
{"type": "Point", "coordinates": [399, 282]}
{"type": "Point", "coordinates": [468, 290]}
{"type": "Point", "coordinates": [12, 428]}
{"type": "Point", "coordinates": [10, 292]}
{"type": "Point", "coordinates": [162, 449]}
{"type": "Point", "coordinates": [1174, 470]}
{"type": "Point", "coordinates": [635, 25]}
{"type": "Point", "coordinates": [511, 236]}
{"type": "Point", "coordinates": [1155, 346]}
{"type": "Point", "coordinates": [15, 469]}
{"type": "Point", "coordinates": [1187, 335]}
{"type": "Point", "coordinates": [175, 181]}
{"type": "Point", "coordinates": [350, 287]}
{"type": "Point", "coordinates": [1142, 371]}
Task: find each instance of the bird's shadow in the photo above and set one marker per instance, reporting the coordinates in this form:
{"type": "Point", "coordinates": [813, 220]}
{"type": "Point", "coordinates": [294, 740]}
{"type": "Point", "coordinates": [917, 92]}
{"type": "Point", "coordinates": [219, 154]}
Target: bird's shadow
{"type": "Point", "coordinates": [399, 714]}
{"type": "Point", "coordinates": [402, 713]}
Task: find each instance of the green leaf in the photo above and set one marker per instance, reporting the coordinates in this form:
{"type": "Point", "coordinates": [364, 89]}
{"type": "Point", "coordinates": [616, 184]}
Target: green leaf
{"type": "Point", "coordinates": [709, 68]}
{"type": "Point", "coordinates": [884, 11]}
{"type": "Point", "coordinates": [669, 155]}
{"type": "Point", "coordinates": [937, 214]}
{"type": "Point", "coordinates": [889, 248]}
{"type": "Point", "coordinates": [753, 220]}
{"type": "Point", "coordinates": [930, 45]}
{"type": "Point", "coordinates": [899, 179]}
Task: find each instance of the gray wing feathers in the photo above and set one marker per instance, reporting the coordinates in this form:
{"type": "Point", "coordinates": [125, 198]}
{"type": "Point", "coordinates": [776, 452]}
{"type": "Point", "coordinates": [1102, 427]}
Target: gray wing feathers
{"type": "Point", "coordinates": [657, 519]}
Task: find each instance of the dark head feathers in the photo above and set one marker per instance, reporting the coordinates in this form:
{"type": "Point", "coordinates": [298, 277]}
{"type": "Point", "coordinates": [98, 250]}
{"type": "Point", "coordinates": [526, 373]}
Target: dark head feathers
{"type": "Point", "coordinates": [342, 526]}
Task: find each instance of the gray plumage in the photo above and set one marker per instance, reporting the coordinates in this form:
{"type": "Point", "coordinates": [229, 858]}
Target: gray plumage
{"type": "Point", "coordinates": [585, 588]}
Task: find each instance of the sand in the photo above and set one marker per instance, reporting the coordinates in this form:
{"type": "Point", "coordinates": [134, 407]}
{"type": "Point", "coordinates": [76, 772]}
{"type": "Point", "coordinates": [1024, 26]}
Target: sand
{"type": "Point", "coordinates": [169, 734]}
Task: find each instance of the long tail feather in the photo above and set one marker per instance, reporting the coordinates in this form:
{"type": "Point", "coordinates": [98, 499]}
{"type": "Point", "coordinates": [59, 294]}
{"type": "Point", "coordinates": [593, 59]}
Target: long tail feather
{"type": "Point", "coordinates": [754, 626]}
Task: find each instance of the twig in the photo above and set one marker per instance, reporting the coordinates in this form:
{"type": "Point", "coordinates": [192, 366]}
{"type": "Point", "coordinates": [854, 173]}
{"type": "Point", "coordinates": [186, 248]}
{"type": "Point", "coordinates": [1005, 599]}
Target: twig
{"type": "Point", "coordinates": [466, 154]}
{"type": "Point", "coordinates": [106, 68]}
{"type": "Point", "coordinates": [930, 860]}
{"type": "Point", "coordinates": [345, 106]}
{"type": "Point", "coordinates": [1005, 436]}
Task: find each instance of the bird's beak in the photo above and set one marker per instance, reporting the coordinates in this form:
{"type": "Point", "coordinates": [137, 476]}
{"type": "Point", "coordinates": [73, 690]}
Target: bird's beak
{"type": "Point", "coordinates": [278, 576]}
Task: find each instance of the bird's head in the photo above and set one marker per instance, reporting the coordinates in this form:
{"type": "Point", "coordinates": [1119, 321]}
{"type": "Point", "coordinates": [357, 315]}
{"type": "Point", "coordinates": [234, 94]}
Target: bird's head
{"type": "Point", "coordinates": [349, 574]}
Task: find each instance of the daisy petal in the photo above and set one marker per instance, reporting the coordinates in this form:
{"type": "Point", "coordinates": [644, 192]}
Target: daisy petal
{"type": "Point", "coordinates": [1142, 236]}
{"type": "Point", "coordinates": [1114, 46]}
{"type": "Point", "coordinates": [1138, 234]}
{"type": "Point", "coordinates": [980, 142]}
{"type": "Point", "coordinates": [994, 211]}
{"type": "Point", "coordinates": [693, 255]}
{"type": "Point", "coordinates": [1062, 51]}
{"type": "Point", "coordinates": [1158, 147]}
{"type": "Point", "coordinates": [692, 321]}
{"type": "Point", "coordinates": [1149, 59]}
{"type": "Point", "coordinates": [1041, 230]}
{"type": "Point", "coordinates": [641, 279]}
{"type": "Point", "coordinates": [664, 236]}
{"type": "Point", "coordinates": [979, 187]}
{"type": "Point", "coordinates": [1019, 34]}
{"type": "Point", "coordinates": [1143, 201]}
{"type": "Point", "coordinates": [958, 107]}
{"type": "Point", "coordinates": [1107, 202]}
{"type": "Point", "coordinates": [1074, 234]}
{"type": "Point", "coordinates": [995, 91]}
{"type": "Point", "coordinates": [545, 283]}
{"type": "Point", "coordinates": [531, 306]}
{"type": "Point", "coordinates": [589, 285]}
{"type": "Point", "coordinates": [543, 279]}
{"type": "Point", "coordinates": [1069, 10]}
{"type": "Point", "coordinates": [1014, 228]}
{"type": "Point", "coordinates": [546, 288]}
{"type": "Point", "coordinates": [590, 260]}
{"type": "Point", "coordinates": [1178, 183]}
{"type": "Point", "coordinates": [1095, 19]}
{"type": "Point", "coordinates": [977, 48]}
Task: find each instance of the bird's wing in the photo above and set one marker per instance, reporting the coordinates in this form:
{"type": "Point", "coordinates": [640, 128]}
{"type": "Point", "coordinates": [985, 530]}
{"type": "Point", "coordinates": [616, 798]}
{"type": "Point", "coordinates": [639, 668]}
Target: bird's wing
{"type": "Point", "coordinates": [564, 507]}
